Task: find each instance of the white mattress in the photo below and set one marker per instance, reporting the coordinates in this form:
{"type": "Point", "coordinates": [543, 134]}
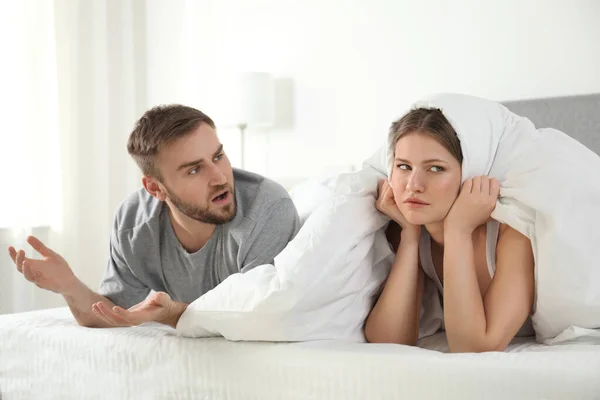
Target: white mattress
{"type": "Point", "coordinates": [45, 355]}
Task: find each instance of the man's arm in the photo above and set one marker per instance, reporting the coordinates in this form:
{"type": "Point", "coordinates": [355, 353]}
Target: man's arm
{"type": "Point", "coordinates": [53, 273]}
{"type": "Point", "coordinates": [81, 300]}
{"type": "Point", "coordinates": [271, 234]}
{"type": "Point", "coordinates": [119, 284]}
{"type": "Point", "coordinates": [119, 287]}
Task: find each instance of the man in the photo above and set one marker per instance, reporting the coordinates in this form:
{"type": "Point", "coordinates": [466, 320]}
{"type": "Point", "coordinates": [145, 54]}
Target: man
{"type": "Point", "coordinates": [195, 222]}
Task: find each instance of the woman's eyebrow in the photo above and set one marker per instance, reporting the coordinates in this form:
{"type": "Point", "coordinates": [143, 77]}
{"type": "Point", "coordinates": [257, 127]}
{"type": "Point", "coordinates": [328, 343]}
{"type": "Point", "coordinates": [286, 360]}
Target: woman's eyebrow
{"type": "Point", "coordinates": [428, 161]}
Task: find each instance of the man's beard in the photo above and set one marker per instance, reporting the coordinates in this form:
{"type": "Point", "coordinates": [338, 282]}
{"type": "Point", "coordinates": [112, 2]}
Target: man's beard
{"type": "Point", "coordinates": [204, 214]}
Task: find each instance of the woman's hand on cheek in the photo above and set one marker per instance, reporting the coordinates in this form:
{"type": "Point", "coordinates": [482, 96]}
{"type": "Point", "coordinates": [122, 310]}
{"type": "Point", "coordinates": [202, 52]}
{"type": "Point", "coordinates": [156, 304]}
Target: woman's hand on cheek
{"type": "Point", "coordinates": [474, 204]}
{"type": "Point", "coordinates": [386, 204]}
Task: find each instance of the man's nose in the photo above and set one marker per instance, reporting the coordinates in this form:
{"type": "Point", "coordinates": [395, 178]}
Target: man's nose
{"type": "Point", "coordinates": [217, 177]}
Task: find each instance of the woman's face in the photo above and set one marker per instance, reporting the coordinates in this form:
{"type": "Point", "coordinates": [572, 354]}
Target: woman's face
{"type": "Point", "coordinates": [426, 178]}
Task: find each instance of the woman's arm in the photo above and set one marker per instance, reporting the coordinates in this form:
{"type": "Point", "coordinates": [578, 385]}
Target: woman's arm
{"type": "Point", "coordinates": [395, 317]}
{"type": "Point", "coordinates": [476, 324]}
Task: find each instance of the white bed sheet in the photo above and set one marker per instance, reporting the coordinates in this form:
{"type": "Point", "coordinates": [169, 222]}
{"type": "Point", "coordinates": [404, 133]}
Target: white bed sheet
{"type": "Point", "coordinates": [45, 355]}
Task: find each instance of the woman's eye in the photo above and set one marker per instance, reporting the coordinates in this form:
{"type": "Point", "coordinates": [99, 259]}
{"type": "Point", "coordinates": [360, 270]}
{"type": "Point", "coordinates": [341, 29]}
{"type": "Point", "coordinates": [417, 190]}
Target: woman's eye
{"type": "Point", "coordinates": [436, 168]}
{"type": "Point", "coordinates": [403, 166]}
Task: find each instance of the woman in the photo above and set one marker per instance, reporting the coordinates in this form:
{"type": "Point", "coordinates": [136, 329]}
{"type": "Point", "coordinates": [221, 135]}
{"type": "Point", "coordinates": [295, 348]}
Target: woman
{"type": "Point", "coordinates": [483, 269]}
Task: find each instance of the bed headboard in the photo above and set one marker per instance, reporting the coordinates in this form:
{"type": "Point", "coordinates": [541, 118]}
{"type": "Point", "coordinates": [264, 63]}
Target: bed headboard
{"type": "Point", "coordinates": [577, 116]}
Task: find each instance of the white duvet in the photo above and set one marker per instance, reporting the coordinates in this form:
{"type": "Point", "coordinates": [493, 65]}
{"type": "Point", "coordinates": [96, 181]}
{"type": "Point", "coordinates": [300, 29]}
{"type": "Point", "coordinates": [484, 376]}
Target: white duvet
{"type": "Point", "coordinates": [322, 284]}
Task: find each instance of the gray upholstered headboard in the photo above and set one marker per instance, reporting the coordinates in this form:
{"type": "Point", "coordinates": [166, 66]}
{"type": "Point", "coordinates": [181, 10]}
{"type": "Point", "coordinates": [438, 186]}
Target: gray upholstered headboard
{"type": "Point", "coordinates": [577, 116]}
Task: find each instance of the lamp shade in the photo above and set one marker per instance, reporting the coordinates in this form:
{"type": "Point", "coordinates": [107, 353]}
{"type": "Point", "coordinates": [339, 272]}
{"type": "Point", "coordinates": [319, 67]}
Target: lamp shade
{"type": "Point", "coordinates": [256, 99]}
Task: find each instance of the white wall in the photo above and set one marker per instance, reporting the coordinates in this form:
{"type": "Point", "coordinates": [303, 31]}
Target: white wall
{"type": "Point", "coordinates": [354, 65]}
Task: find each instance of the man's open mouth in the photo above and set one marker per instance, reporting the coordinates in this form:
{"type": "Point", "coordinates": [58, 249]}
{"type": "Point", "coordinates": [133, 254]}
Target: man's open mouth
{"type": "Point", "coordinates": [221, 197]}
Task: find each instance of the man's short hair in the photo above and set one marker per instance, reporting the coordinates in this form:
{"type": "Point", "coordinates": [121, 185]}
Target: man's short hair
{"type": "Point", "coordinates": [159, 126]}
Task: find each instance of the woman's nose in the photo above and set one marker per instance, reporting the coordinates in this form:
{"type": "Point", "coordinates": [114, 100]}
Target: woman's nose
{"type": "Point", "coordinates": [416, 183]}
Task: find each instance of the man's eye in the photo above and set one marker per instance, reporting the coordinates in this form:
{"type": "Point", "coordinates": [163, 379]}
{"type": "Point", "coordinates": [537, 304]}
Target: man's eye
{"type": "Point", "coordinates": [217, 158]}
{"type": "Point", "coordinates": [436, 168]}
{"type": "Point", "coordinates": [194, 171]}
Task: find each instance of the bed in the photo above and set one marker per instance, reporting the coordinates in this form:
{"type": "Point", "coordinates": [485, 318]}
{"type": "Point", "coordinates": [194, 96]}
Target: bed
{"type": "Point", "coordinates": [45, 355]}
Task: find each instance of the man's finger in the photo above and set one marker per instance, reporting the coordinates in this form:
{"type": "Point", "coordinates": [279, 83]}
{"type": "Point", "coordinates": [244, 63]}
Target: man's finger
{"type": "Point", "coordinates": [122, 320]}
{"type": "Point", "coordinates": [98, 311]}
{"type": "Point", "coordinates": [39, 246]}
{"type": "Point", "coordinates": [101, 309]}
{"type": "Point", "coordinates": [19, 260]}
{"type": "Point", "coordinates": [137, 306]}
{"type": "Point", "coordinates": [12, 253]}
{"type": "Point", "coordinates": [161, 298]}
{"type": "Point", "coordinates": [99, 314]}
{"type": "Point", "coordinates": [112, 316]}
{"type": "Point", "coordinates": [132, 318]}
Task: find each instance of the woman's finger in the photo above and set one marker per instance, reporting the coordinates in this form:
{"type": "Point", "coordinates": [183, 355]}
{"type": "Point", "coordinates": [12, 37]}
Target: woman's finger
{"type": "Point", "coordinates": [485, 185]}
{"type": "Point", "coordinates": [494, 188]}
{"type": "Point", "coordinates": [389, 193]}
{"type": "Point", "coordinates": [380, 186]}
{"type": "Point", "coordinates": [476, 189]}
{"type": "Point", "coordinates": [467, 186]}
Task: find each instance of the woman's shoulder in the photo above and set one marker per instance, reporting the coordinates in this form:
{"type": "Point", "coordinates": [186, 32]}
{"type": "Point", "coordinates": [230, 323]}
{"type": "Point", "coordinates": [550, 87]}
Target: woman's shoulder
{"type": "Point", "coordinates": [505, 229]}
{"type": "Point", "coordinates": [510, 239]}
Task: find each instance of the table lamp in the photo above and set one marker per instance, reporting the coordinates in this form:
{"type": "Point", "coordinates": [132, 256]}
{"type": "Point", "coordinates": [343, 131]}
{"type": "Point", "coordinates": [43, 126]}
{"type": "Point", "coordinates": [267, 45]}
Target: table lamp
{"type": "Point", "coordinates": [256, 105]}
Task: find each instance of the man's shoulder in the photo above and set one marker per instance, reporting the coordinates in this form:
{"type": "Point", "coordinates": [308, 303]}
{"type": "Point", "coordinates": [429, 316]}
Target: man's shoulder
{"type": "Point", "coordinates": [252, 185]}
{"type": "Point", "coordinates": [138, 209]}
{"type": "Point", "coordinates": [258, 193]}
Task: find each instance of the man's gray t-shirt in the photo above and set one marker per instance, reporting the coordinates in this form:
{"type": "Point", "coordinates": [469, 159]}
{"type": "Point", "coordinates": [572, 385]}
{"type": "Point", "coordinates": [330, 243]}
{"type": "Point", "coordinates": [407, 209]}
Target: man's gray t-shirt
{"type": "Point", "coordinates": [146, 255]}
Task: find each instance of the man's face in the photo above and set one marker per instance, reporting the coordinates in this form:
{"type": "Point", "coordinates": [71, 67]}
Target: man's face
{"type": "Point", "coordinates": [197, 177]}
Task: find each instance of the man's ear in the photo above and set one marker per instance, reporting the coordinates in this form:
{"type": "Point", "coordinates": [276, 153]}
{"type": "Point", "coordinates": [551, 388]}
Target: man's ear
{"type": "Point", "coordinates": [153, 186]}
